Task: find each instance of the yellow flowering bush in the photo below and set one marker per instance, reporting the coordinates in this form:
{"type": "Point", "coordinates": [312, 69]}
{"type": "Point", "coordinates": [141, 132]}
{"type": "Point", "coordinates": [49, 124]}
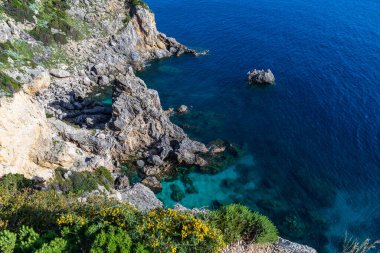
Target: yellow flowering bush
{"type": "Point", "coordinates": [70, 220]}
{"type": "Point", "coordinates": [174, 231]}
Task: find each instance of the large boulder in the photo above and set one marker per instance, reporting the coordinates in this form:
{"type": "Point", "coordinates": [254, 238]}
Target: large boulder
{"type": "Point", "coordinates": [141, 197]}
{"type": "Point", "coordinates": [153, 183]}
{"type": "Point", "coordinates": [261, 76]}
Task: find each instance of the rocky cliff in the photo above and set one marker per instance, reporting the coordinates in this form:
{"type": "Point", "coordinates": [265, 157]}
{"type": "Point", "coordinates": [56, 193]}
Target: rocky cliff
{"type": "Point", "coordinates": [51, 122]}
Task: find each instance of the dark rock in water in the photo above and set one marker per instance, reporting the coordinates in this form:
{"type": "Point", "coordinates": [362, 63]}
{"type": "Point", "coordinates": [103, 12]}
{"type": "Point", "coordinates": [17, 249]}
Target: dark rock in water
{"type": "Point", "coordinates": [152, 183]}
{"type": "Point", "coordinates": [190, 189]}
{"type": "Point", "coordinates": [121, 183]}
{"type": "Point", "coordinates": [261, 76]}
{"type": "Point", "coordinates": [177, 193]}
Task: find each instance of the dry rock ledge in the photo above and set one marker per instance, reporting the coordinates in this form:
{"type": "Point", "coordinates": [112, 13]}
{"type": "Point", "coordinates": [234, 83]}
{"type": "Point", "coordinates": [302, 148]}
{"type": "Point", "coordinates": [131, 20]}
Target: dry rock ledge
{"type": "Point", "coordinates": [52, 122]}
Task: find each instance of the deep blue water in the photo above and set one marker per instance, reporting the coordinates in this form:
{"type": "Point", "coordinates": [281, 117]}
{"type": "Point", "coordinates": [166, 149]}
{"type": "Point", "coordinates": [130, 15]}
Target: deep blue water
{"type": "Point", "coordinates": [312, 141]}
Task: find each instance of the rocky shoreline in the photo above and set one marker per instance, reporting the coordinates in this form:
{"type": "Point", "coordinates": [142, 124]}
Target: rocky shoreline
{"type": "Point", "coordinates": [53, 123]}
{"type": "Point", "coordinates": [136, 126]}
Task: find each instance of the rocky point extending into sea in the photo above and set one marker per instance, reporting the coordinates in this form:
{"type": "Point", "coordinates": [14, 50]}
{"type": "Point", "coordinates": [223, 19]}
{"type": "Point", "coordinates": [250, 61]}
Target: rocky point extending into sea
{"type": "Point", "coordinates": [51, 121]}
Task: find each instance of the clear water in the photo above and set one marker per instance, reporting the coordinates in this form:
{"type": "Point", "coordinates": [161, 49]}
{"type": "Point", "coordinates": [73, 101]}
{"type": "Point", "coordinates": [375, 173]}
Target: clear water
{"type": "Point", "coordinates": [313, 140]}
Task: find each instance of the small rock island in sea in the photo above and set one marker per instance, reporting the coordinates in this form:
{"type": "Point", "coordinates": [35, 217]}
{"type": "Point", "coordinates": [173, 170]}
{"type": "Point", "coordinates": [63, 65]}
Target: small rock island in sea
{"type": "Point", "coordinates": [261, 76]}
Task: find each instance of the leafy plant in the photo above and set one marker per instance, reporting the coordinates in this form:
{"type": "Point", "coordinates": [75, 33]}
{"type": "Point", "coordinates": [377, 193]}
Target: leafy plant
{"type": "Point", "coordinates": [15, 182]}
{"type": "Point", "coordinates": [7, 241]}
{"type": "Point", "coordinates": [171, 231]}
{"type": "Point", "coordinates": [108, 238]}
{"type": "Point", "coordinates": [80, 182]}
{"type": "Point", "coordinates": [238, 222]}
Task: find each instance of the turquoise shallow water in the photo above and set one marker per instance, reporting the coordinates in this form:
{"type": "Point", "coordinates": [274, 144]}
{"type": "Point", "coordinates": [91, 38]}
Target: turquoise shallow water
{"type": "Point", "coordinates": [312, 141]}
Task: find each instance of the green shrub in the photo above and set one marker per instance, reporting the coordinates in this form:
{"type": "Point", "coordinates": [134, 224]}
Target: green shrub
{"type": "Point", "coordinates": [27, 238]}
{"type": "Point", "coordinates": [108, 239]}
{"type": "Point", "coordinates": [15, 182]}
{"type": "Point", "coordinates": [8, 84]}
{"type": "Point", "coordinates": [58, 245]}
{"type": "Point", "coordinates": [238, 222]}
{"type": "Point", "coordinates": [50, 14]}
{"type": "Point", "coordinates": [7, 241]}
{"type": "Point", "coordinates": [80, 182]}
{"type": "Point", "coordinates": [174, 231]}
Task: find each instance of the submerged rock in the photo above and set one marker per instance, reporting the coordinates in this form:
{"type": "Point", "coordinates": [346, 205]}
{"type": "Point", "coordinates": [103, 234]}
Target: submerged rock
{"type": "Point", "coordinates": [206, 52]}
{"type": "Point", "coordinates": [261, 76]}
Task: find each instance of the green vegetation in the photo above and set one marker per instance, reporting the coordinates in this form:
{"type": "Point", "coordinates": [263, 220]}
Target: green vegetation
{"type": "Point", "coordinates": [8, 85]}
{"type": "Point", "coordinates": [48, 221]}
{"type": "Point", "coordinates": [237, 223]}
{"type": "Point", "coordinates": [136, 3]}
{"type": "Point", "coordinates": [80, 182]}
{"type": "Point", "coordinates": [54, 26]}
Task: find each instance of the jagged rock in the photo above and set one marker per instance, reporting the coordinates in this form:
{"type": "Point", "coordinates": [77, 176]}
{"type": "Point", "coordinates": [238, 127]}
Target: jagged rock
{"type": "Point", "coordinates": [121, 183]}
{"type": "Point", "coordinates": [282, 246]}
{"type": "Point", "coordinates": [261, 76]}
{"type": "Point", "coordinates": [155, 160]}
{"type": "Point", "coordinates": [141, 197]}
{"type": "Point", "coordinates": [215, 149]}
{"type": "Point", "coordinates": [5, 31]}
{"type": "Point", "coordinates": [180, 207]}
{"type": "Point", "coordinates": [153, 183]}
{"type": "Point", "coordinates": [100, 69]}
{"type": "Point", "coordinates": [67, 175]}
{"type": "Point", "coordinates": [87, 81]}
{"type": "Point", "coordinates": [60, 73]}
{"type": "Point", "coordinates": [182, 109]}
{"type": "Point", "coordinates": [140, 163]}
{"type": "Point", "coordinates": [104, 80]}
{"type": "Point", "coordinates": [205, 52]}
{"type": "Point", "coordinates": [188, 151]}
{"type": "Point", "coordinates": [41, 81]}
{"type": "Point", "coordinates": [152, 171]}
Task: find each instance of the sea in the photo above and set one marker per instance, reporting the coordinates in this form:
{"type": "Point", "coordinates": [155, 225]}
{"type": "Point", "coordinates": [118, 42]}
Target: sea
{"type": "Point", "coordinates": [309, 145]}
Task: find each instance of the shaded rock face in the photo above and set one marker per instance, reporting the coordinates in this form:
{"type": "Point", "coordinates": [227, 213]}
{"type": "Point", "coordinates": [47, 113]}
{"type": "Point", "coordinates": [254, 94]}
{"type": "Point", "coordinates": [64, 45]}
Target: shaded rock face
{"type": "Point", "coordinates": [261, 76]}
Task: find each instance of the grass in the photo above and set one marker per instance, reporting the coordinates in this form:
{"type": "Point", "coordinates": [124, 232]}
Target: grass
{"type": "Point", "coordinates": [8, 85]}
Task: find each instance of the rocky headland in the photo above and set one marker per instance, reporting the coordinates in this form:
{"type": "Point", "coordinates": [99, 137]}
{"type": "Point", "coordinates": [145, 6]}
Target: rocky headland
{"type": "Point", "coordinates": [48, 118]}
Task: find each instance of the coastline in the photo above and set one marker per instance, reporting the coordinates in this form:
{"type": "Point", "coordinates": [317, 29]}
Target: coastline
{"type": "Point", "coordinates": [51, 105]}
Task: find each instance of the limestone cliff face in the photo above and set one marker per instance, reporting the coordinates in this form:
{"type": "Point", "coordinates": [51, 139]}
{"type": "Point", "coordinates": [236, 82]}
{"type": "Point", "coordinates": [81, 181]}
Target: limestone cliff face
{"type": "Point", "coordinates": [24, 136]}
